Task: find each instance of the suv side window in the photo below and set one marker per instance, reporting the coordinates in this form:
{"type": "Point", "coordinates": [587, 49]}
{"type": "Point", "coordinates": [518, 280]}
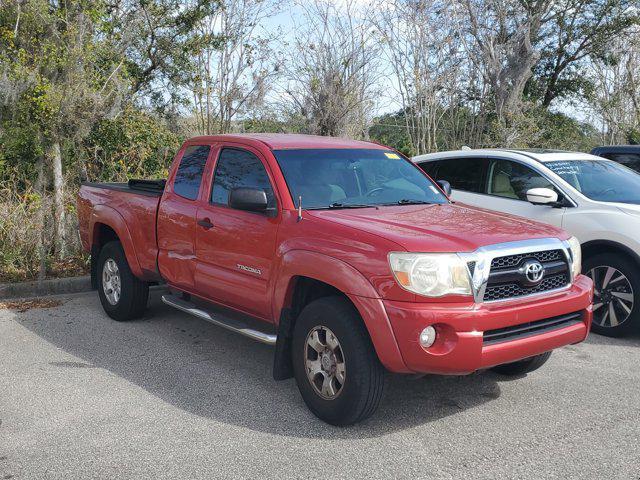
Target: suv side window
{"type": "Point", "coordinates": [239, 169]}
{"type": "Point", "coordinates": [464, 174]}
{"type": "Point", "coordinates": [631, 160]}
{"type": "Point", "coordinates": [512, 180]}
{"type": "Point", "coordinates": [189, 174]}
{"type": "Point", "coordinates": [430, 168]}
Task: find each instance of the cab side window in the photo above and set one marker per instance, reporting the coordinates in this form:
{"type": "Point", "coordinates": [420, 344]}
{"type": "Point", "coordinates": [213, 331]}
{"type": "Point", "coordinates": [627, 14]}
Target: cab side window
{"type": "Point", "coordinates": [512, 180]}
{"type": "Point", "coordinates": [464, 174]}
{"type": "Point", "coordinates": [189, 174]}
{"type": "Point", "coordinates": [239, 169]}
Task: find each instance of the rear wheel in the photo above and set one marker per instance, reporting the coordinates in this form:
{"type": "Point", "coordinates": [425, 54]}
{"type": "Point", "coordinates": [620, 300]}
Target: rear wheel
{"type": "Point", "coordinates": [523, 366]}
{"type": "Point", "coordinates": [336, 368]}
{"type": "Point", "coordinates": [122, 294]}
{"type": "Point", "coordinates": [616, 283]}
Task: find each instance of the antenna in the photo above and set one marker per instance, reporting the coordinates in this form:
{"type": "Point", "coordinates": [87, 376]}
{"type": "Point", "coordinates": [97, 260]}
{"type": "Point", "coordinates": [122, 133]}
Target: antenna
{"type": "Point", "coordinates": [299, 207]}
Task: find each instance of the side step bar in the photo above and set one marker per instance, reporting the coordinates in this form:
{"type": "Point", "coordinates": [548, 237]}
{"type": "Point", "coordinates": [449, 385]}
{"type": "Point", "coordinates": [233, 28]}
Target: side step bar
{"type": "Point", "coordinates": [220, 320]}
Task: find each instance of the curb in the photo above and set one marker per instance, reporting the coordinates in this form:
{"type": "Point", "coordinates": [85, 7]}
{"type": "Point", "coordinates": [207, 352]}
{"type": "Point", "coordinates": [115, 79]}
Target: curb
{"type": "Point", "coordinates": [54, 286]}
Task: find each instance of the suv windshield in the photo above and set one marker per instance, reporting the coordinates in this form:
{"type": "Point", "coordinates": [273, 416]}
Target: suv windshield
{"type": "Point", "coordinates": [601, 180]}
{"type": "Point", "coordinates": [343, 178]}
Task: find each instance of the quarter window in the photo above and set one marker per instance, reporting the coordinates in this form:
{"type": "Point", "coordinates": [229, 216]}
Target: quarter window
{"type": "Point", "coordinates": [189, 174]}
{"type": "Point", "coordinates": [239, 169]}
{"type": "Point", "coordinates": [512, 180]}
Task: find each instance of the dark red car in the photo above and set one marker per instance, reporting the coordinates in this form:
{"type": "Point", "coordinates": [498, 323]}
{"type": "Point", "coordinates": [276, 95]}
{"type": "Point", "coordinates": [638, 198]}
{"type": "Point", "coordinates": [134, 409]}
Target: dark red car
{"type": "Point", "coordinates": [342, 254]}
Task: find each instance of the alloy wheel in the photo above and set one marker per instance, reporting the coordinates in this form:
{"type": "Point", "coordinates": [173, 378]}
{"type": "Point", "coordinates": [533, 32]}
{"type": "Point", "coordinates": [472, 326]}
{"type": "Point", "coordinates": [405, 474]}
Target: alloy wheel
{"type": "Point", "coordinates": [324, 362]}
{"type": "Point", "coordinates": [612, 297]}
{"type": "Point", "coordinates": [111, 284]}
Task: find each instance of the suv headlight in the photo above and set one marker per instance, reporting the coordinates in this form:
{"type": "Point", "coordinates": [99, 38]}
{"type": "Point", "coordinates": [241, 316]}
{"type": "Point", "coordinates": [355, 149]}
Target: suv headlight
{"type": "Point", "coordinates": [431, 274]}
{"type": "Point", "coordinates": [576, 257]}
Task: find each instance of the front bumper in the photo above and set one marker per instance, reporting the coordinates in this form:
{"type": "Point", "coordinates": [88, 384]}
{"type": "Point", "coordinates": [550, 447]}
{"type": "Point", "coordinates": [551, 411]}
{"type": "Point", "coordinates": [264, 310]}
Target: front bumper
{"type": "Point", "coordinates": [460, 347]}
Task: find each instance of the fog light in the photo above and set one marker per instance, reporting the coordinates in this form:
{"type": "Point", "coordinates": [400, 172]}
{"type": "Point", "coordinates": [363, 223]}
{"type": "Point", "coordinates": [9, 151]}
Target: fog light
{"type": "Point", "coordinates": [427, 337]}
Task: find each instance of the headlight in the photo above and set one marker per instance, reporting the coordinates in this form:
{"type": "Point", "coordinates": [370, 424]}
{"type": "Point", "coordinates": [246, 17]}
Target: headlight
{"type": "Point", "coordinates": [431, 274]}
{"type": "Point", "coordinates": [576, 257]}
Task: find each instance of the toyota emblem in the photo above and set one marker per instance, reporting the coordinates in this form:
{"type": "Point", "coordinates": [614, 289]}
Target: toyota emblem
{"type": "Point", "coordinates": [534, 271]}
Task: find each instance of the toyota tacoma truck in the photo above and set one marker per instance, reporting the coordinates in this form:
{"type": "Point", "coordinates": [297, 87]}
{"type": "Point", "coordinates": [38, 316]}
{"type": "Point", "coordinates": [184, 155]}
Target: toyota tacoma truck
{"type": "Point", "coordinates": [342, 254]}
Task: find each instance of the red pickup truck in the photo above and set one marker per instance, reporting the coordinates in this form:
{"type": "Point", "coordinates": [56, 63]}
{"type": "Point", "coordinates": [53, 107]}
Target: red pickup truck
{"type": "Point", "coordinates": [342, 254]}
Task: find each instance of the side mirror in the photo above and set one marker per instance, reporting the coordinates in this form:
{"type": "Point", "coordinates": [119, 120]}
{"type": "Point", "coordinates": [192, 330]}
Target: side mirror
{"type": "Point", "coordinates": [446, 186]}
{"type": "Point", "coordinates": [250, 199]}
{"type": "Point", "coordinates": [542, 196]}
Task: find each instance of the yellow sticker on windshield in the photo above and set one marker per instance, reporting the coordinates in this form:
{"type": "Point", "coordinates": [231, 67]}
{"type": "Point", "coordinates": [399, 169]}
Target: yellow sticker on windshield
{"type": "Point", "coordinates": [392, 155]}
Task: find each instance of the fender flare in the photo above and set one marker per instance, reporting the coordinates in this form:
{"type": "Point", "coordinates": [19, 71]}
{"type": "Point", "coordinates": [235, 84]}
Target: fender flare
{"type": "Point", "coordinates": [348, 280]}
{"type": "Point", "coordinates": [110, 217]}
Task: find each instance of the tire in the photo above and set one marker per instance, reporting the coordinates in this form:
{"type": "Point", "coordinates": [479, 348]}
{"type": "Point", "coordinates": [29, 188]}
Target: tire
{"type": "Point", "coordinates": [133, 293]}
{"type": "Point", "coordinates": [523, 366]}
{"type": "Point", "coordinates": [358, 397]}
{"type": "Point", "coordinates": [616, 299]}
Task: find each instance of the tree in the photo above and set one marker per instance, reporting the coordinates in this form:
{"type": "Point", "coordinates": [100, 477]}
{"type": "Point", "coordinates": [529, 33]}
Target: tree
{"type": "Point", "coordinates": [502, 37]}
{"type": "Point", "coordinates": [157, 41]}
{"type": "Point", "coordinates": [58, 81]}
{"type": "Point", "coordinates": [615, 96]}
{"type": "Point", "coordinates": [232, 71]}
{"type": "Point", "coordinates": [577, 31]}
{"type": "Point", "coordinates": [421, 46]}
{"type": "Point", "coordinates": [331, 78]}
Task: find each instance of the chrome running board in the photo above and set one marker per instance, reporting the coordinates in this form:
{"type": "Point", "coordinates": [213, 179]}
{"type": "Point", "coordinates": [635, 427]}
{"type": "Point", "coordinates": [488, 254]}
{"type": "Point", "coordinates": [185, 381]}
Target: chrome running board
{"type": "Point", "coordinates": [220, 320]}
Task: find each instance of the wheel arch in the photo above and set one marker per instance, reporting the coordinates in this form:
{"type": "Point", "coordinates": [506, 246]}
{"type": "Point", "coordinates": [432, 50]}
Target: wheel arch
{"type": "Point", "coordinates": [595, 247]}
{"type": "Point", "coordinates": [108, 225]}
{"type": "Point", "coordinates": [305, 277]}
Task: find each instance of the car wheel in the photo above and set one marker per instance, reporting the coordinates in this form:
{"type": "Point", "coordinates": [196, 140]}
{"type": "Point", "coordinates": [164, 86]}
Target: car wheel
{"type": "Point", "coordinates": [523, 366]}
{"type": "Point", "coordinates": [122, 294]}
{"type": "Point", "coordinates": [335, 365]}
{"type": "Point", "coordinates": [616, 296]}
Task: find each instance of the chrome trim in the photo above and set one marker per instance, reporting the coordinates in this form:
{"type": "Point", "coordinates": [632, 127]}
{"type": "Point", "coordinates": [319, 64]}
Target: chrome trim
{"type": "Point", "coordinates": [224, 322]}
{"type": "Point", "coordinates": [483, 257]}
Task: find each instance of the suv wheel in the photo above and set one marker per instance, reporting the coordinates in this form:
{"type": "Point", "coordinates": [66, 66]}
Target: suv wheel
{"type": "Point", "coordinates": [616, 297]}
{"type": "Point", "coordinates": [523, 366]}
{"type": "Point", "coordinates": [336, 368]}
{"type": "Point", "coordinates": [122, 294]}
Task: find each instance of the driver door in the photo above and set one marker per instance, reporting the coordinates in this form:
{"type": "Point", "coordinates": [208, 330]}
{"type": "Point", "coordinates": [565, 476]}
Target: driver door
{"type": "Point", "coordinates": [235, 249]}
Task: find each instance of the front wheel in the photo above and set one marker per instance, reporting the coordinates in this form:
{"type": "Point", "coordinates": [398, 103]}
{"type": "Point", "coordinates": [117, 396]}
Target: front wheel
{"type": "Point", "coordinates": [336, 368]}
{"type": "Point", "coordinates": [523, 366]}
{"type": "Point", "coordinates": [616, 295]}
{"type": "Point", "coordinates": [122, 294]}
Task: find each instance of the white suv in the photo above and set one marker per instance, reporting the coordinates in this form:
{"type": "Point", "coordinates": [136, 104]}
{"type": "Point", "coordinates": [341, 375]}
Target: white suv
{"type": "Point", "coordinates": [593, 198]}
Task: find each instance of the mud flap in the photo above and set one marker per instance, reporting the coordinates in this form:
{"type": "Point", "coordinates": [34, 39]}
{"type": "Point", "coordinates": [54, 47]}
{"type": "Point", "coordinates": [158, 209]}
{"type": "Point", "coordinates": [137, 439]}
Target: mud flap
{"type": "Point", "coordinates": [282, 364]}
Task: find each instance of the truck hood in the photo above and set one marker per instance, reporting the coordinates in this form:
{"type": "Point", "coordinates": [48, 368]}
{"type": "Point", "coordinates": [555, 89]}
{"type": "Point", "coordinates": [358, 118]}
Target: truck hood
{"type": "Point", "coordinates": [440, 228]}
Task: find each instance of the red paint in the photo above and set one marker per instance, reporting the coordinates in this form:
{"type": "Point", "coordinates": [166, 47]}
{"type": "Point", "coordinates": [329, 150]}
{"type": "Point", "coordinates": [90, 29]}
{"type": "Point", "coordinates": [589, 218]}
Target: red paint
{"type": "Point", "coordinates": [346, 249]}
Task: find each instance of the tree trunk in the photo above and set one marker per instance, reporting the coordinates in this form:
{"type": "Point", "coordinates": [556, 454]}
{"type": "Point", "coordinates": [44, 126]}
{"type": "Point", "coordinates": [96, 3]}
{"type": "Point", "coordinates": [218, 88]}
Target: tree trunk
{"type": "Point", "coordinates": [58, 199]}
{"type": "Point", "coordinates": [41, 248]}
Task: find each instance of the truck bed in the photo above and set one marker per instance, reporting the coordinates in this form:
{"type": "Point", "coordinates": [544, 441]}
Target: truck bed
{"type": "Point", "coordinates": [152, 188]}
{"type": "Point", "coordinates": [132, 208]}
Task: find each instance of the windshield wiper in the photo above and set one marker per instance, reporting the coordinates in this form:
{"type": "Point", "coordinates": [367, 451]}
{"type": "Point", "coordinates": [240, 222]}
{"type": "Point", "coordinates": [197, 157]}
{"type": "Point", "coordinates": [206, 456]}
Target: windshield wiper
{"type": "Point", "coordinates": [352, 205]}
{"type": "Point", "coordinates": [406, 201]}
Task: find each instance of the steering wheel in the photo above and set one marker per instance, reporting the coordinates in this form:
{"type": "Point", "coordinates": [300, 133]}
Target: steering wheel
{"type": "Point", "coordinates": [607, 190]}
{"type": "Point", "coordinates": [374, 191]}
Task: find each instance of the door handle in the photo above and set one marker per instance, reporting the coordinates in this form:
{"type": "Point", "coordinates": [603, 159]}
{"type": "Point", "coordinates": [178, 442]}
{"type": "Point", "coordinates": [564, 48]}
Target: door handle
{"type": "Point", "coordinates": [205, 223]}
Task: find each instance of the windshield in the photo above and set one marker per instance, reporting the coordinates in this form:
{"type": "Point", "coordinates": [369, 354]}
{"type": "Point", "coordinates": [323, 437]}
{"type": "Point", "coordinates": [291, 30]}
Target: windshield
{"type": "Point", "coordinates": [601, 180]}
{"type": "Point", "coordinates": [343, 178]}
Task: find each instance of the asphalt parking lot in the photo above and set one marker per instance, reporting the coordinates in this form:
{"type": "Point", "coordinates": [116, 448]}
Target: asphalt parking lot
{"type": "Point", "coordinates": [170, 396]}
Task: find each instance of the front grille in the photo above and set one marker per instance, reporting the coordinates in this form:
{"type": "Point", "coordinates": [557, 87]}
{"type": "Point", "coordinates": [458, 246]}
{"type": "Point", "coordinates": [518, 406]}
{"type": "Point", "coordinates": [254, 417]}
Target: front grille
{"type": "Point", "coordinates": [531, 328]}
{"type": "Point", "coordinates": [507, 280]}
{"type": "Point", "coordinates": [514, 260]}
{"type": "Point", "coordinates": [511, 290]}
